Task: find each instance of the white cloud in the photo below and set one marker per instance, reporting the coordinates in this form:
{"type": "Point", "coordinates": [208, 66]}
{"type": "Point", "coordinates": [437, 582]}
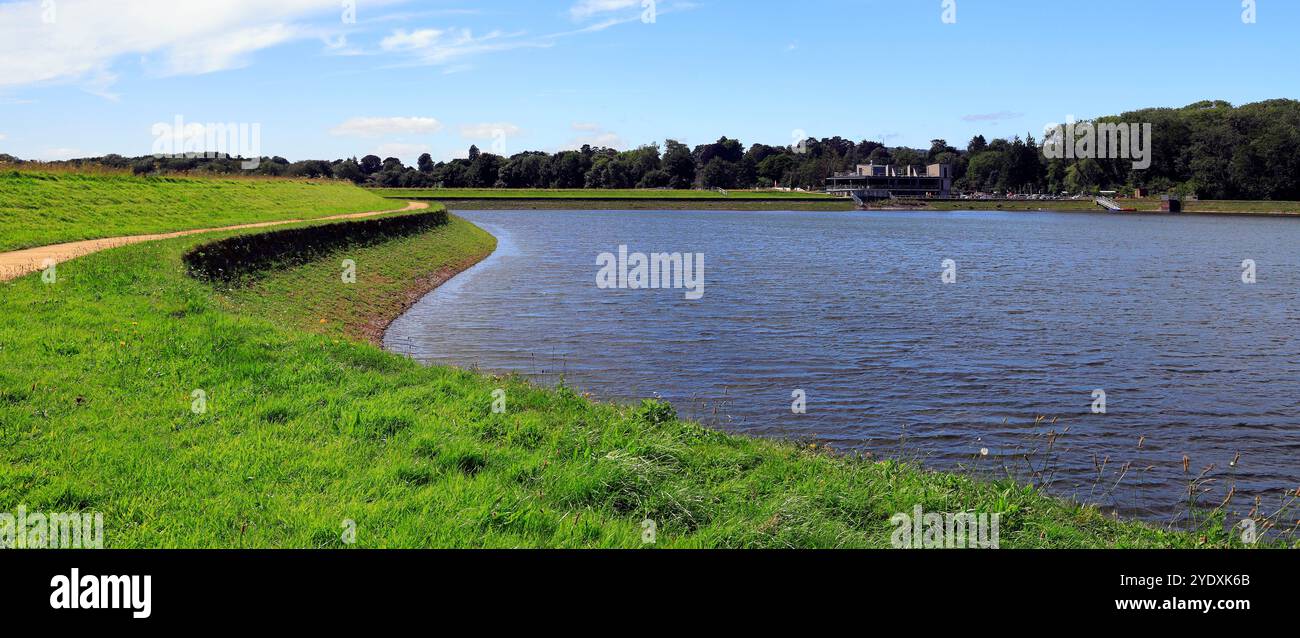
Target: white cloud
{"type": "Point", "coordinates": [87, 37]}
{"type": "Point", "coordinates": [489, 131]}
{"type": "Point", "coordinates": [380, 126]}
{"type": "Point", "coordinates": [402, 40]}
{"type": "Point", "coordinates": [991, 117]}
{"type": "Point", "coordinates": [408, 153]}
{"type": "Point", "coordinates": [611, 140]}
{"type": "Point", "coordinates": [630, 10]}
{"type": "Point", "coordinates": [587, 8]}
{"type": "Point", "coordinates": [442, 46]}
{"type": "Point", "coordinates": [3, 137]}
{"type": "Point", "coordinates": [55, 154]}
{"type": "Point", "coordinates": [229, 51]}
{"type": "Point", "coordinates": [594, 135]}
{"type": "Point", "coordinates": [435, 46]}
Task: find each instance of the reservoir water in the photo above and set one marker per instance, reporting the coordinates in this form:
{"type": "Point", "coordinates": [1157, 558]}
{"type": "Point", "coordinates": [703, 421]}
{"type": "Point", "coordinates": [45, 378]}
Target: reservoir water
{"type": "Point", "coordinates": [852, 310]}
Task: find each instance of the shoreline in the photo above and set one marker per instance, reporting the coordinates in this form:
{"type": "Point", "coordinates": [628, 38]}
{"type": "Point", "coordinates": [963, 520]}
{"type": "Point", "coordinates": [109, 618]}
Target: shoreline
{"type": "Point", "coordinates": [1077, 206]}
{"type": "Point", "coordinates": [302, 399]}
{"type": "Point", "coordinates": [646, 204]}
{"type": "Point", "coordinates": [375, 327]}
{"type": "Point", "coordinates": [826, 449]}
{"type": "Point", "coordinates": [1246, 209]}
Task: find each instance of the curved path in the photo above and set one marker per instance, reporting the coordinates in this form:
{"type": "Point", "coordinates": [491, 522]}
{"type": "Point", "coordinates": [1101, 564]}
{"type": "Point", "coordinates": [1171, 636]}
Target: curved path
{"type": "Point", "coordinates": [21, 262]}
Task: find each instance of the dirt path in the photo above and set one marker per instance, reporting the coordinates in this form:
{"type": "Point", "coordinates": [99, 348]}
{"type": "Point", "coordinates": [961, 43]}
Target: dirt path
{"type": "Point", "coordinates": [21, 262]}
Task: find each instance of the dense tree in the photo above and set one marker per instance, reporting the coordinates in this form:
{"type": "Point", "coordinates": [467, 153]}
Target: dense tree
{"type": "Point", "coordinates": [308, 168]}
{"type": "Point", "coordinates": [370, 165]}
{"type": "Point", "coordinates": [1211, 149]}
{"type": "Point", "coordinates": [938, 148]}
{"type": "Point", "coordinates": [984, 172]}
{"type": "Point", "coordinates": [349, 169]}
{"type": "Point", "coordinates": [679, 164]}
{"type": "Point", "coordinates": [658, 178]}
{"type": "Point", "coordinates": [727, 150]}
{"type": "Point", "coordinates": [526, 170]}
{"type": "Point", "coordinates": [719, 173]}
{"type": "Point", "coordinates": [569, 170]}
{"type": "Point", "coordinates": [483, 170]}
{"type": "Point", "coordinates": [775, 168]}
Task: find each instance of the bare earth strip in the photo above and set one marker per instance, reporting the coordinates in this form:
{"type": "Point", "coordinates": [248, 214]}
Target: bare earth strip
{"type": "Point", "coordinates": [21, 262]}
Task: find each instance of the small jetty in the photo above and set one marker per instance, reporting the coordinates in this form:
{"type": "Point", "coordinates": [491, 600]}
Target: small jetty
{"type": "Point", "coordinates": [1113, 206]}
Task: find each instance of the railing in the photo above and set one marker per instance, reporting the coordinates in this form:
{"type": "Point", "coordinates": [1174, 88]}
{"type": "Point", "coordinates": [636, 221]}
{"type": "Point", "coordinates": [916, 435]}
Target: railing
{"type": "Point", "coordinates": [1109, 204]}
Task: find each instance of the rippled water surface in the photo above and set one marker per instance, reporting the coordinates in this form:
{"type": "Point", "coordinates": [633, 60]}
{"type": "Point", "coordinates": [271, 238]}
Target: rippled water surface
{"type": "Point", "coordinates": [851, 309]}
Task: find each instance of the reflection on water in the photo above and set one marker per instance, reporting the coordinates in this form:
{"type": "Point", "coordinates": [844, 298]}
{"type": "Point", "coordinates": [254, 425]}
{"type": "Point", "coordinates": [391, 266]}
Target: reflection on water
{"type": "Point", "coordinates": [850, 308]}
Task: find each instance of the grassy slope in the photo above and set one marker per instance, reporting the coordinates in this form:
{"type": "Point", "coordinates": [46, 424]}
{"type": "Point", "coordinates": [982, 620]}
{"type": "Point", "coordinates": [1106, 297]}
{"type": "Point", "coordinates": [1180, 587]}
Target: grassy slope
{"type": "Point", "coordinates": [578, 193]}
{"type": "Point", "coordinates": [633, 199]}
{"type": "Point", "coordinates": [306, 429]}
{"type": "Point", "coordinates": [389, 279]}
{"type": "Point", "coordinates": [42, 208]}
{"type": "Point", "coordinates": [648, 204]}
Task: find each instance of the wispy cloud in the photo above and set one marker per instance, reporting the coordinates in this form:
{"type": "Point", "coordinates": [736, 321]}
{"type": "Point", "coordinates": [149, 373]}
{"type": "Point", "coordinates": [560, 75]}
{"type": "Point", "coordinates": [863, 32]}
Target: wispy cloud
{"type": "Point", "coordinates": [229, 51]}
{"type": "Point", "coordinates": [380, 126]}
{"type": "Point", "coordinates": [443, 46]}
{"type": "Point", "coordinates": [451, 46]}
{"type": "Point", "coordinates": [440, 47]}
{"type": "Point", "coordinates": [56, 154]}
{"type": "Point", "coordinates": [616, 12]}
{"type": "Point", "coordinates": [592, 134]}
{"type": "Point", "coordinates": [593, 28]}
{"type": "Point", "coordinates": [992, 117]}
{"type": "Point", "coordinates": [585, 9]}
{"type": "Point", "coordinates": [489, 131]}
{"type": "Point", "coordinates": [82, 40]}
{"type": "Point", "coordinates": [408, 153]}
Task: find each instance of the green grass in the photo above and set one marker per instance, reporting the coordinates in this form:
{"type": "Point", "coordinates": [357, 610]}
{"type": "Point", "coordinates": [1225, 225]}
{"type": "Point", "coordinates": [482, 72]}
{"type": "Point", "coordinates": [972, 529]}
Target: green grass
{"type": "Point", "coordinates": [649, 204]}
{"type": "Point", "coordinates": [44, 208]}
{"type": "Point", "coordinates": [1233, 206]}
{"type": "Point", "coordinates": [613, 199]}
{"type": "Point", "coordinates": [645, 199]}
{"type": "Point", "coordinates": [389, 279]}
{"type": "Point", "coordinates": [578, 193]}
{"type": "Point", "coordinates": [306, 428]}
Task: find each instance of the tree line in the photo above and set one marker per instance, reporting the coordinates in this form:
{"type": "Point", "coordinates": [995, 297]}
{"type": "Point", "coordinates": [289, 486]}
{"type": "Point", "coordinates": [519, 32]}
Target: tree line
{"type": "Point", "coordinates": [1210, 149]}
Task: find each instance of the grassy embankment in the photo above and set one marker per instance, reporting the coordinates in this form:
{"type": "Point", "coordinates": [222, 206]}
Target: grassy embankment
{"type": "Point", "coordinates": [38, 208]}
{"type": "Point", "coordinates": [306, 428]}
{"type": "Point", "coordinates": [641, 199]}
{"type": "Point", "coordinates": [589, 193]}
{"type": "Point", "coordinates": [625, 199]}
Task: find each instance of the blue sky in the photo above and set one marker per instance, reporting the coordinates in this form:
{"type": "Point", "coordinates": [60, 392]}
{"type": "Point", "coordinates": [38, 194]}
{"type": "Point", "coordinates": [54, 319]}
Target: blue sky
{"type": "Point", "coordinates": [438, 75]}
